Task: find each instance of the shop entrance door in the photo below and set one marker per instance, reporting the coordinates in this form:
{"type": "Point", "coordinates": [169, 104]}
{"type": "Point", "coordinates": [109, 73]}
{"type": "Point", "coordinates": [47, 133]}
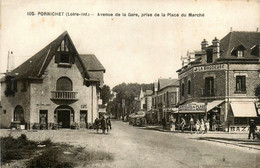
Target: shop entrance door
{"type": "Point", "coordinates": [64, 117]}
{"type": "Point", "coordinates": [83, 118]}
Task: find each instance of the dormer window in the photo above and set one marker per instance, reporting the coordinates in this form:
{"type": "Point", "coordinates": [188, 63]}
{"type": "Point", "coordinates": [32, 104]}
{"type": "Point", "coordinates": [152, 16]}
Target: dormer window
{"type": "Point", "coordinates": [65, 54]}
{"type": "Point", "coordinates": [255, 50]}
{"type": "Point", "coordinates": [238, 51]}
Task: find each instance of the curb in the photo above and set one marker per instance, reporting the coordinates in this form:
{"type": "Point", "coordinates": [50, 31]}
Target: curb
{"type": "Point", "coordinates": [245, 146]}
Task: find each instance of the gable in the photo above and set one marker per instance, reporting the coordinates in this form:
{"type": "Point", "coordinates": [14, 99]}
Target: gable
{"type": "Point", "coordinates": [35, 66]}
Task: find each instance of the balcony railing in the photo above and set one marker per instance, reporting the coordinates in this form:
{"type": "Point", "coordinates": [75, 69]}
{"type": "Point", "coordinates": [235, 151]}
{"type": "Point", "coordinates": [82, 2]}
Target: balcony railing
{"type": "Point", "coordinates": [64, 95]}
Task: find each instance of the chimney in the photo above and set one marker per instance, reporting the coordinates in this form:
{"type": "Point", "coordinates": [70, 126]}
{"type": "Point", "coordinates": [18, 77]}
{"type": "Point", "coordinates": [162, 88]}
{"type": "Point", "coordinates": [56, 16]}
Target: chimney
{"type": "Point", "coordinates": [10, 61]}
{"type": "Point", "coordinates": [204, 44]}
{"type": "Point", "coordinates": [216, 50]}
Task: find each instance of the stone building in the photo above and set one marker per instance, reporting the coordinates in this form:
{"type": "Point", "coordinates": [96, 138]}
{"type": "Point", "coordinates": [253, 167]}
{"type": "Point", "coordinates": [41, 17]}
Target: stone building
{"type": "Point", "coordinates": [145, 99]}
{"type": "Point", "coordinates": [219, 83]}
{"type": "Point", "coordinates": [166, 97]}
{"type": "Point", "coordinates": [57, 85]}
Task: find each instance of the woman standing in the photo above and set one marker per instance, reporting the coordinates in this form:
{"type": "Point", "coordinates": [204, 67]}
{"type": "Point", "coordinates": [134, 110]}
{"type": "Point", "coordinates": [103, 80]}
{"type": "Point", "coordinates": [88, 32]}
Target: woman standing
{"type": "Point", "coordinates": [197, 126]}
{"type": "Point", "coordinates": [202, 126]}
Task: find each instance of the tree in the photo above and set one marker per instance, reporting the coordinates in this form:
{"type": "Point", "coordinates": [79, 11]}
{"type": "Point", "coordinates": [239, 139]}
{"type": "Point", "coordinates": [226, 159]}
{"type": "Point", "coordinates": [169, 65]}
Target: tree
{"type": "Point", "coordinates": [105, 94]}
{"type": "Point", "coordinates": [128, 92]}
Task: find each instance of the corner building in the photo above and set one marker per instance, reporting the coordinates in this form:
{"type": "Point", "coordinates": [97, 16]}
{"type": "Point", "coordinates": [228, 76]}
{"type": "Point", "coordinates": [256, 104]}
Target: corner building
{"type": "Point", "coordinates": [56, 85]}
{"type": "Point", "coordinates": [217, 83]}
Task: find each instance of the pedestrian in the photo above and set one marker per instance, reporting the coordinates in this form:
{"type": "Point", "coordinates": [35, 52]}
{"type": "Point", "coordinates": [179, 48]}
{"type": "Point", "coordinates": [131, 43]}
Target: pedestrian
{"type": "Point", "coordinates": [97, 124]}
{"type": "Point", "coordinates": [252, 128]}
{"type": "Point", "coordinates": [164, 122]}
{"type": "Point", "coordinates": [202, 126]}
{"type": "Point", "coordinates": [171, 120]}
{"type": "Point", "coordinates": [191, 124]}
{"type": "Point", "coordinates": [207, 126]}
{"type": "Point", "coordinates": [103, 125]}
{"type": "Point", "coordinates": [197, 126]}
{"type": "Point", "coordinates": [109, 123]}
{"type": "Point", "coordinates": [183, 123]}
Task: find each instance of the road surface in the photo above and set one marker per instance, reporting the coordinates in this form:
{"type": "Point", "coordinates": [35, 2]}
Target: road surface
{"type": "Point", "coordinates": [135, 147]}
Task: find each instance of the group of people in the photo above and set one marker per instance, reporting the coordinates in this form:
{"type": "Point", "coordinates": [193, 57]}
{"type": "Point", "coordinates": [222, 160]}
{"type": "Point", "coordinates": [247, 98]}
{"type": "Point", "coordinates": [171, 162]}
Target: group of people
{"type": "Point", "coordinates": [103, 123]}
{"type": "Point", "coordinates": [200, 126]}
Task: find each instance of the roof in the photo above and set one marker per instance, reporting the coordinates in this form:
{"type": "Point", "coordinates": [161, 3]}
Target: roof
{"type": "Point", "coordinates": [34, 67]}
{"type": "Point", "coordinates": [235, 39]}
{"type": "Point", "coordinates": [148, 92]}
{"type": "Point", "coordinates": [91, 62]}
{"type": "Point", "coordinates": [162, 83]}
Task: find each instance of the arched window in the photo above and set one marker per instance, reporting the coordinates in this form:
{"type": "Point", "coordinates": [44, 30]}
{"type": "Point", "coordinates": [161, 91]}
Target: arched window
{"type": "Point", "coordinates": [64, 84]}
{"type": "Point", "coordinates": [189, 87]}
{"type": "Point", "coordinates": [182, 89]}
{"type": "Point", "coordinates": [18, 113]}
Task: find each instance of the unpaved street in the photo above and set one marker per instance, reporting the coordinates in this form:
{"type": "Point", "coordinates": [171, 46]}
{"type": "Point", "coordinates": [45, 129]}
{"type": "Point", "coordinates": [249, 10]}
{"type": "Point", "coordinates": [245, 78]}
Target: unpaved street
{"type": "Point", "coordinates": [140, 147]}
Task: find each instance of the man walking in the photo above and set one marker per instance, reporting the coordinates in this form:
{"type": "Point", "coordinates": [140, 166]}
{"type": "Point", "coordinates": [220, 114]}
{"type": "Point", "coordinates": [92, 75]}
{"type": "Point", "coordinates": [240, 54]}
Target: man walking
{"type": "Point", "coordinates": [252, 128]}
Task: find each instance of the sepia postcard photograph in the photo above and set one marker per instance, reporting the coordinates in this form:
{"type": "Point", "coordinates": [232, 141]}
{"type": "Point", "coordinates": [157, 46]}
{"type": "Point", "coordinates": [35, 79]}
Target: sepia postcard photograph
{"type": "Point", "coordinates": [130, 84]}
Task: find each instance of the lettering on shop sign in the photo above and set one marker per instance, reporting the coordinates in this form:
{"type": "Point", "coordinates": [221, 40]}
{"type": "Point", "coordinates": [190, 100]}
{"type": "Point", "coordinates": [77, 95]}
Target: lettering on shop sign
{"type": "Point", "coordinates": [41, 104]}
{"type": "Point", "coordinates": [209, 68]}
{"type": "Point", "coordinates": [201, 107]}
{"type": "Point", "coordinates": [83, 106]}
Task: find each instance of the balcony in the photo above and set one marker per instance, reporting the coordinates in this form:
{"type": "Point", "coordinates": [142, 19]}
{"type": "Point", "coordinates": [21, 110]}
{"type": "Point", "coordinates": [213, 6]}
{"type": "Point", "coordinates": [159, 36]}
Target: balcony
{"type": "Point", "coordinates": [64, 95]}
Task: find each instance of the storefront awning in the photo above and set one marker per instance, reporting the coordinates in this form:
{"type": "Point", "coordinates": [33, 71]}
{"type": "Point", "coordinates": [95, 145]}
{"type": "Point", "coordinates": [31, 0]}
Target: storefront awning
{"type": "Point", "coordinates": [243, 109]}
{"type": "Point", "coordinates": [213, 104]}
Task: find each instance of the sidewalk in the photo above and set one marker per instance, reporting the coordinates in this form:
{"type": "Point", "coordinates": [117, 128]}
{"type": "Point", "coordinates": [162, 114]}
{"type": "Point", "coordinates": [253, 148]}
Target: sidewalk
{"type": "Point", "coordinates": [235, 139]}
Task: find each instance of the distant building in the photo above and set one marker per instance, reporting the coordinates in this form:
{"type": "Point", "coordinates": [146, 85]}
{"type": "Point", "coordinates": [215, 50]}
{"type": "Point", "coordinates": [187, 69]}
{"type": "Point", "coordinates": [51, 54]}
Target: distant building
{"type": "Point", "coordinates": [219, 83]}
{"type": "Point", "coordinates": [56, 85]}
{"type": "Point", "coordinates": [167, 97]}
{"type": "Point", "coordinates": [145, 99]}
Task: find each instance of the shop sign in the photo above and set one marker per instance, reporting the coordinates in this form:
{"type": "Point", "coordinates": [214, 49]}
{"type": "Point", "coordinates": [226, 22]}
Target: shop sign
{"type": "Point", "coordinates": [42, 104]}
{"type": "Point", "coordinates": [209, 68]}
{"type": "Point", "coordinates": [193, 107]}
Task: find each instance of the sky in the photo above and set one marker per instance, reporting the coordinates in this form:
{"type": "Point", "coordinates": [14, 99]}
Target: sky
{"type": "Point", "coordinates": [132, 49]}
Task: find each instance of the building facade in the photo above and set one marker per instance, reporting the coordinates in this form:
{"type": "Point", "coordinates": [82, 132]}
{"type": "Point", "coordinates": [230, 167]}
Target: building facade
{"type": "Point", "coordinates": [55, 86]}
{"type": "Point", "coordinates": [165, 98]}
{"type": "Point", "coordinates": [219, 83]}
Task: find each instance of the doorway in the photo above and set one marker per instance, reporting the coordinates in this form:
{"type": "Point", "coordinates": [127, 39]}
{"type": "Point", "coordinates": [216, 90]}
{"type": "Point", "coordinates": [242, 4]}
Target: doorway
{"type": "Point", "coordinates": [64, 117]}
{"type": "Point", "coordinates": [83, 118]}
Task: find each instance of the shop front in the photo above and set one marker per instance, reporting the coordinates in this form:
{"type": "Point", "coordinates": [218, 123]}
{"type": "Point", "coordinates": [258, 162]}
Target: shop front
{"type": "Point", "coordinates": [242, 113]}
{"type": "Point", "coordinates": [199, 110]}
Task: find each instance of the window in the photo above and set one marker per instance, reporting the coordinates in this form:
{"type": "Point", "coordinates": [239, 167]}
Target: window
{"type": "Point", "coordinates": [11, 86]}
{"type": "Point", "coordinates": [65, 58]}
{"type": "Point", "coordinates": [18, 113]}
{"type": "Point", "coordinates": [64, 84]}
{"type": "Point", "coordinates": [240, 120]}
{"type": "Point", "coordinates": [182, 89]}
{"type": "Point", "coordinates": [240, 83]}
{"type": "Point", "coordinates": [65, 54]}
{"type": "Point", "coordinates": [189, 87]}
{"type": "Point", "coordinates": [240, 53]}
{"type": "Point", "coordinates": [209, 56]}
{"type": "Point", "coordinates": [209, 86]}
{"type": "Point", "coordinates": [43, 116]}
